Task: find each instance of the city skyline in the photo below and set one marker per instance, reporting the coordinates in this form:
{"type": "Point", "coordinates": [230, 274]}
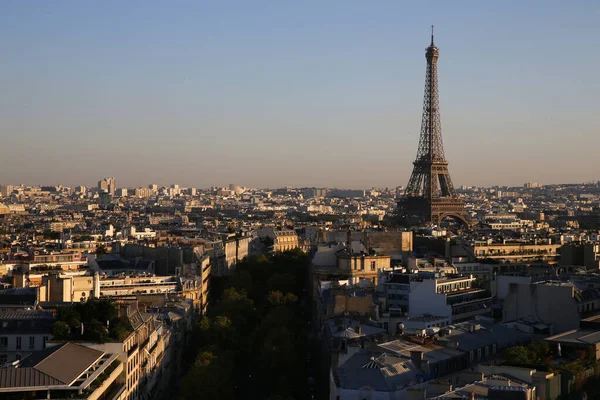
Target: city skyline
{"type": "Point", "coordinates": [163, 185]}
{"type": "Point", "coordinates": [270, 96]}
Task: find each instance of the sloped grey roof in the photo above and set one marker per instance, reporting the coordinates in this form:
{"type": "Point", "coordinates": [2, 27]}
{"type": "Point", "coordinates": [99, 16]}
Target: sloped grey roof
{"type": "Point", "coordinates": [69, 362]}
{"type": "Point", "coordinates": [59, 365]}
{"type": "Point", "coordinates": [25, 377]}
{"type": "Point", "coordinates": [576, 336]}
{"type": "Point", "coordinates": [350, 328]}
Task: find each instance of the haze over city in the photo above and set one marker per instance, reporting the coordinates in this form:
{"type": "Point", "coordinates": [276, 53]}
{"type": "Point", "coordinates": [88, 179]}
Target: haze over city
{"type": "Point", "coordinates": [267, 94]}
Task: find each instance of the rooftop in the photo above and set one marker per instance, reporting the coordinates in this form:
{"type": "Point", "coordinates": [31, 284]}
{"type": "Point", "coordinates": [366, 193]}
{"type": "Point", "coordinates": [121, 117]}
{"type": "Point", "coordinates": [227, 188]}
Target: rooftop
{"type": "Point", "coordinates": [381, 372]}
{"type": "Point", "coordinates": [55, 366]}
{"type": "Point", "coordinates": [431, 352]}
{"type": "Point", "coordinates": [476, 335]}
{"type": "Point", "coordinates": [576, 336]}
{"type": "Point", "coordinates": [349, 329]}
{"type": "Point", "coordinates": [24, 321]}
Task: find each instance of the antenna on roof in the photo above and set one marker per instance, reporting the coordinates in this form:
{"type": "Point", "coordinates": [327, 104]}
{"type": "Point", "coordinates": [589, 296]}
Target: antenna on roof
{"type": "Point", "coordinates": [432, 35]}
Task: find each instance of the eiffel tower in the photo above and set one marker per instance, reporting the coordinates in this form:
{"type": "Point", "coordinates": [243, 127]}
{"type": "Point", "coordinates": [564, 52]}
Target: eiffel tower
{"type": "Point", "coordinates": [430, 195]}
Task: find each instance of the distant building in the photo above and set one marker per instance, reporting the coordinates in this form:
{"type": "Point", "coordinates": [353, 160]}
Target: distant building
{"type": "Point", "coordinates": [557, 304]}
{"type": "Point", "coordinates": [6, 190]}
{"type": "Point", "coordinates": [227, 253]}
{"type": "Point", "coordinates": [283, 240]}
{"type": "Point", "coordinates": [532, 185]}
{"type": "Point", "coordinates": [581, 254]}
{"type": "Point", "coordinates": [108, 185]}
{"type": "Point", "coordinates": [345, 193]}
{"type": "Point", "coordinates": [57, 288]}
{"type": "Point", "coordinates": [352, 296]}
{"type": "Point", "coordinates": [143, 192]}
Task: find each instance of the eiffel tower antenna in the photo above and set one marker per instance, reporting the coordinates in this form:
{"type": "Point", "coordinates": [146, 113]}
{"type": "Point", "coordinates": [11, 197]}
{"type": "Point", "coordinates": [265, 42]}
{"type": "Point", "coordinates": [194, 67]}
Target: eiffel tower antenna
{"type": "Point", "coordinates": [432, 35]}
{"type": "Point", "coordinates": [430, 194]}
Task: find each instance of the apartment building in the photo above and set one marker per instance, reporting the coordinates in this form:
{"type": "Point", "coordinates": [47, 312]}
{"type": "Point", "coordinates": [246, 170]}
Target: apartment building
{"type": "Point", "coordinates": [560, 305]}
{"type": "Point", "coordinates": [23, 333]}
{"type": "Point", "coordinates": [282, 239]}
{"type": "Point", "coordinates": [227, 253]}
{"type": "Point", "coordinates": [145, 354]}
{"type": "Point", "coordinates": [433, 294]}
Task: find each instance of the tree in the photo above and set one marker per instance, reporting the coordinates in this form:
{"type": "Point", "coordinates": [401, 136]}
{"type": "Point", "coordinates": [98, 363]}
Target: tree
{"type": "Point", "coordinates": [237, 307]}
{"type": "Point", "coordinates": [61, 330]}
{"type": "Point", "coordinates": [233, 349]}
{"type": "Point", "coordinates": [278, 299]}
{"type": "Point", "coordinates": [283, 282]}
{"type": "Point", "coordinates": [211, 376]}
{"type": "Point", "coordinates": [120, 328]}
{"type": "Point", "coordinates": [518, 355]}
{"type": "Point", "coordinates": [241, 280]}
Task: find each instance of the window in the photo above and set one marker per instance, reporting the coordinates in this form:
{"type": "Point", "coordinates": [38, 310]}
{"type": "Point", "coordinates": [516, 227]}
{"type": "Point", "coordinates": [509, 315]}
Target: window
{"type": "Point", "coordinates": [18, 342]}
{"type": "Point", "coordinates": [31, 342]}
{"type": "Point", "coordinates": [471, 356]}
{"type": "Point", "coordinates": [372, 265]}
{"type": "Point", "coordinates": [487, 351]}
{"type": "Point", "coordinates": [3, 358]}
{"type": "Point", "coordinates": [18, 357]}
{"type": "Point", "coordinates": [3, 341]}
{"type": "Point", "coordinates": [494, 349]}
{"type": "Point", "coordinates": [44, 341]}
{"type": "Point", "coordinates": [479, 354]}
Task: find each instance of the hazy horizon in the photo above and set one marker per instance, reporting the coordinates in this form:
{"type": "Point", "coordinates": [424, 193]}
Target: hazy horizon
{"type": "Point", "coordinates": [269, 94]}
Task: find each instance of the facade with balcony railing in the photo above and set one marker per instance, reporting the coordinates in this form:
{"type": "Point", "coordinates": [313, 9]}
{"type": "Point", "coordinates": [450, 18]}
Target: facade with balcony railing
{"type": "Point", "coordinates": [452, 297]}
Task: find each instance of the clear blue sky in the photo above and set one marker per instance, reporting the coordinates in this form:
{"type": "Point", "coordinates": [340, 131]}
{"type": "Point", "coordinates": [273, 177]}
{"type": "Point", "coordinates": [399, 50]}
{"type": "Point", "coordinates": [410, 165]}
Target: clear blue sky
{"type": "Point", "coordinates": [315, 93]}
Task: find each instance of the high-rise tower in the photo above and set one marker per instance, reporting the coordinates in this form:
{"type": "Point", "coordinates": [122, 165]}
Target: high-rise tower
{"type": "Point", "coordinates": [430, 195]}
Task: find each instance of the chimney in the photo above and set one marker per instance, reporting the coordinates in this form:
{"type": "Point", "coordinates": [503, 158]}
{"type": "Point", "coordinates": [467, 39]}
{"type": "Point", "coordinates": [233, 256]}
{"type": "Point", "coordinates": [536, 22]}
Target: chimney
{"type": "Point", "coordinates": [417, 357]}
{"type": "Point", "coordinates": [349, 241]}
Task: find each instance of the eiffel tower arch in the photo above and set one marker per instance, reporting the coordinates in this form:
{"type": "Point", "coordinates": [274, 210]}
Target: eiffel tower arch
{"type": "Point", "coordinates": [430, 196]}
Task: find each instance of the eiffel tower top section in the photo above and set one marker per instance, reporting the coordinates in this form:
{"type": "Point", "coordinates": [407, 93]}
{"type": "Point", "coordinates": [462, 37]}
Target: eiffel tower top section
{"type": "Point", "coordinates": [431, 147]}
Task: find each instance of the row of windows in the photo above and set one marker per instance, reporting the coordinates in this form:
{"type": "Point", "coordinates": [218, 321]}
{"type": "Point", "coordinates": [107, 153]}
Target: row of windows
{"type": "Point", "coordinates": [362, 266]}
{"type": "Point", "coordinates": [393, 296]}
{"type": "Point", "coordinates": [398, 286]}
{"type": "Point", "coordinates": [586, 307]}
{"type": "Point", "coordinates": [450, 287]}
{"type": "Point", "coordinates": [19, 342]}
{"type": "Point", "coordinates": [486, 351]}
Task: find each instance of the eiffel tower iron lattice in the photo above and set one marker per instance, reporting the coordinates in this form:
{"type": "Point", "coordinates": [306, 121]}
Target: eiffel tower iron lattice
{"type": "Point", "coordinates": [430, 195]}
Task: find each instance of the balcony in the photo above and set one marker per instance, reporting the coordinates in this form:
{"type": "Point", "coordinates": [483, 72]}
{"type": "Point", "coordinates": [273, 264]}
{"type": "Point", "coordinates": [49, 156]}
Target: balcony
{"type": "Point", "coordinates": [467, 296]}
{"type": "Point", "coordinates": [464, 311]}
{"type": "Point", "coordinates": [132, 349]}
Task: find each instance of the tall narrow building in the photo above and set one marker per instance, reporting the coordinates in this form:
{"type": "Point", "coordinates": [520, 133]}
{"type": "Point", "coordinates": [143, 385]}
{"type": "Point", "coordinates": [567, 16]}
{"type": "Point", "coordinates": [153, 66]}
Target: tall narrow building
{"type": "Point", "coordinates": [108, 185]}
{"type": "Point", "coordinates": [430, 196]}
